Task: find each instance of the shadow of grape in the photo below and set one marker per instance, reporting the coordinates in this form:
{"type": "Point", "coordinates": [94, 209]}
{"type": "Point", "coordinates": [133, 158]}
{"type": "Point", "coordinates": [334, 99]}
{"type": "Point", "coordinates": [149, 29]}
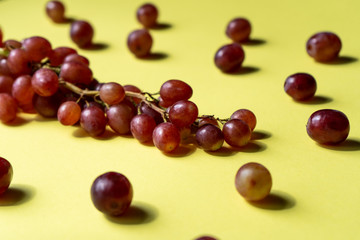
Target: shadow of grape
{"type": "Point", "coordinates": [347, 145]}
{"type": "Point", "coordinates": [161, 26]}
{"type": "Point", "coordinates": [259, 135]}
{"type": "Point", "coordinates": [97, 46]}
{"type": "Point", "coordinates": [136, 214]}
{"type": "Point", "coordinates": [182, 151]}
{"type": "Point", "coordinates": [226, 151]}
{"type": "Point", "coordinates": [318, 99]}
{"type": "Point", "coordinates": [243, 70]}
{"type": "Point", "coordinates": [18, 121]}
{"type": "Point", "coordinates": [275, 201]}
{"type": "Point", "coordinates": [107, 135]}
{"type": "Point", "coordinates": [16, 195]}
{"type": "Point", "coordinates": [155, 56]}
{"type": "Point", "coordinates": [342, 60]}
{"type": "Point", "coordinates": [254, 42]}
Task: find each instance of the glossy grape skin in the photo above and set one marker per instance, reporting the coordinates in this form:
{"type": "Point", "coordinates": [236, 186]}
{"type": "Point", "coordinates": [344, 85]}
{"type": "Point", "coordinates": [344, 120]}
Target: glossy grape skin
{"type": "Point", "coordinates": [135, 89]}
{"type": "Point", "coordinates": [324, 46]}
{"type": "Point", "coordinates": [253, 181]}
{"type": "Point", "coordinates": [247, 116]}
{"type": "Point", "coordinates": [238, 30]}
{"type": "Point", "coordinates": [147, 15]}
{"type": "Point", "coordinates": [120, 116]}
{"type": "Point", "coordinates": [300, 86]}
{"type": "Point", "coordinates": [4, 68]}
{"type": "Point", "coordinates": [112, 93]}
{"type": "Point", "coordinates": [22, 90]}
{"type": "Point", "coordinates": [11, 44]}
{"type": "Point", "coordinates": [229, 57]}
{"type": "Point", "coordinates": [69, 113]}
{"type": "Point", "coordinates": [6, 175]}
{"type": "Point", "coordinates": [37, 48]}
{"type": "Point", "coordinates": [74, 57]}
{"type": "Point", "coordinates": [145, 108]}
{"type": "Point", "coordinates": [140, 42]}
{"type": "Point", "coordinates": [58, 55]}
{"type": "Point", "coordinates": [236, 133]}
{"type": "Point", "coordinates": [18, 62]}
{"type": "Point", "coordinates": [45, 82]}
{"type": "Point", "coordinates": [142, 127]}
{"type": "Point", "coordinates": [46, 106]}
{"type": "Point", "coordinates": [75, 72]}
{"type": "Point", "coordinates": [1, 38]}
{"type": "Point", "coordinates": [207, 120]}
{"type": "Point", "coordinates": [209, 137]}
{"type": "Point", "coordinates": [82, 33]}
{"type": "Point", "coordinates": [328, 126]}
{"type": "Point", "coordinates": [56, 11]}
{"type": "Point", "coordinates": [8, 108]}
{"type": "Point", "coordinates": [112, 193]}
{"type": "Point", "coordinates": [6, 83]}
{"type": "Point", "coordinates": [183, 113]}
{"type": "Point", "coordinates": [166, 137]}
{"type": "Point", "coordinates": [93, 121]}
{"type": "Point", "coordinates": [175, 90]}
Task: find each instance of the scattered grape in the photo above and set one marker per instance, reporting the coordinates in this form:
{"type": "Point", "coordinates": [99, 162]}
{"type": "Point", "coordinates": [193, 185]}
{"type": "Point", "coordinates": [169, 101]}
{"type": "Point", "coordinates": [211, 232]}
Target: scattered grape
{"type": "Point", "coordinates": [247, 116]}
{"type": "Point", "coordinates": [210, 137]}
{"type": "Point", "coordinates": [147, 15]}
{"type": "Point", "coordinates": [166, 137]}
{"type": "Point", "coordinates": [238, 30]}
{"type": "Point", "coordinates": [112, 93]}
{"type": "Point", "coordinates": [253, 181]}
{"type": "Point", "coordinates": [82, 33]}
{"type": "Point", "coordinates": [140, 42]}
{"type": "Point", "coordinates": [6, 174]}
{"type": "Point", "coordinates": [45, 82]}
{"type": "Point", "coordinates": [93, 121]}
{"type": "Point", "coordinates": [69, 113]}
{"type": "Point", "coordinates": [112, 193]}
{"type": "Point", "coordinates": [236, 133]}
{"type": "Point", "coordinates": [183, 113]}
{"type": "Point", "coordinates": [56, 11]}
{"type": "Point", "coordinates": [229, 57]}
{"type": "Point", "coordinates": [300, 86]}
{"type": "Point", "coordinates": [328, 126]}
{"type": "Point", "coordinates": [142, 127]}
{"type": "Point", "coordinates": [8, 108]}
{"type": "Point", "coordinates": [324, 46]}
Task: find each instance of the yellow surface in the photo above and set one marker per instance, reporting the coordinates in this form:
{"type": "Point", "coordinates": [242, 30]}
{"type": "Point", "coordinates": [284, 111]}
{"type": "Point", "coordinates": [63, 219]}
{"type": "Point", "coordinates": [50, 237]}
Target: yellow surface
{"type": "Point", "coordinates": [316, 191]}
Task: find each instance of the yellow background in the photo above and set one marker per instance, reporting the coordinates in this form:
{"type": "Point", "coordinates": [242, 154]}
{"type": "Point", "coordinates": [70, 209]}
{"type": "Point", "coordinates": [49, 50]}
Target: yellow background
{"type": "Point", "coordinates": [316, 191]}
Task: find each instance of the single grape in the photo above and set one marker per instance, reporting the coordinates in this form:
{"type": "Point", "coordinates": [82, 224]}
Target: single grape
{"type": "Point", "coordinates": [142, 127]}
{"type": "Point", "coordinates": [69, 113]}
{"type": "Point", "coordinates": [300, 86]}
{"type": "Point", "coordinates": [6, 83]}
{"type": "Point", "coordinates": [209, 137]}
{"type": "Point", "coordinates": [56, 11]}
{"type": "Point", "coordinates": [6, 175]}
{"type": "Point", "coordinates": [93, 121]}
{"type": "Point", "coordinates": [135, 89]}
{"type": "Point", "coordinates": [46, 106]}
{"type": "Point", "coordinates": [247, 116]}
{"type": "Point", "coordinates": [238, 30]}
{"type": "Point", "coordinates": [183, 113]}
{"type": "Point", "coordinates": [18, 62]}
{"type": "Point", "coordinates": [204, 120]}
{"type": "Point", "coordinates": [58, 55]}
{"type": "Point", "coordinates": [22, 90]}
{"type": "Point", "coordinates": [112, 93]}
{"type": "Point", "coordinates": [328, 126]}
{"type": "Point", "coordinates": [45, 82]}
{"type": "Point", "coordinates": [74, 57]}
{"type": "Point", "coordinates": [166, 137]}
{"type": "Point", "coordinates": [147, 15]}
{"type": "Point", "coordinates": [82, 33]}
{"type": "Point", "coordinates": [75, 72]}
{"type": "Point", "coordinates": [140, 42]}
{"type": "Point", "coordinates": [4, 68]}
{"type": "Point", "coordinates": [145, 108]}
{"type": "Point", "coordinates": [37, 48]}
{"type": "Point", "coordinates": [236, 133]}
{"type": "Point", "coordinates": [253, 181]}
{"type": "Point", "coordinates": [324, 46]}
{"type": "Point", "coordinates": [174, 90]}
{"type": "Point", "coordinates": [112, 193]}
{"type": "Point", "coordinates": [229, 57]}
{"type": "Point", "coordinates": [8, 108]}
{"type": "Point", "coordinates": [164, 104]}
{"type": "Point", "coordinates": [120, 116]}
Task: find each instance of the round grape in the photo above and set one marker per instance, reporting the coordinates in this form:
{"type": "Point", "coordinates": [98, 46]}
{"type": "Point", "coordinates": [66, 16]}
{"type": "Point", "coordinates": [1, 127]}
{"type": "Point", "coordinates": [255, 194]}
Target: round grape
{"type": "Point", "coordinates": [204, 120]}
{"type": "Point", "coordinates": [183, 113]}
{"type": "Point", "coordinates": [45, 82]}
{"type": "Point", "coordinates": [6, 83]}
{"type": "Point", "coordinates": [145, 108]}
{"type": "Point", "coordinates": [236, 133]}
{"type": "Point", "coordinates": [229, 57]}
{"type": "Point", "coordinates": [46, 106]}
{"type": "Point", "coordinates": [247, 116]}
{"type": "Point", "coordinates": [120, 116]}
{"type": "Point", "coordinates": [18, 62]}
{"type": "Point", "coordinates": [81, 32]}
{"type": "Point", "coordinates": [140, 42]}
{"type": "Point", "coordinates": [174, 90]}
{"type": "Point", "coordinates": [142, 127]}
{"type": "Point", "coordinates": [210, 137]}
{"type": "Point", "coordinates": [75, 72]}
{"type": "Point", "coordinates": [77, 58]}
{"type": "Point", "coordinates": [112, 93]}
{"type": "Point", "coordinates": [300, 86]}
{"type": "Point", "coordinates": [147, 15]}
{"type": "Point", "coordinates": [69, 113]}
{"type": "Point", "coordinates": [22, 90]}
{"type": "Point", "coordinates": [55, 11]}
{"type": "Point", "coordinates": [37, 48]}
{"type": "Point", "coordinates": [324, 46]}
{"type": "Point", "coordinates": [6, 175]}
{"type": "Point", "coordinates": [58, 55]}
{"type": "Point", "coordinates": [166, 137]}
{"type": "Point", "coordinates": [238, 30]}
{"type": "Point", "coordinates": [93, 121]}
{"type": "Point", "coordinates": [8, 108]}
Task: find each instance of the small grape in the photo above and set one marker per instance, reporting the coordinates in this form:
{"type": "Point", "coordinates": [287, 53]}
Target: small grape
{"type": "Point", "coordinates": [22, 90]}
{"type": "Point", "coordinates": [210, 137]}
{"type": "Point", "coordinates": [247, 116]}
{"type": "Point", "coordinates": [93, 121]}
{"type": "Point", "coordinates": [37, 48]}
{"type": "Point", "coordinates": [8, 108]}
{"type": "Point", "coordinates": [6, 83]}
{"type": "Point", "coordinates": [166, 137]}
{"type": "Point", "coordinates": [45, 82]}
{"type": "Point", "coordinates": [4, 68]}
{"type": "Point", "coordinates": [112, 193]}
{"type": "Point", "coordinates": [300, 86]}
{"type": "Point", "coordinates": [229, 57]}
{"type": "Point", "coordinates": [55, 11]}
{"type": "Point", "coordinates": [46, 106]}
{"type": "Point", "coordinates": [253, 181]}
{"type": "Point", "coordinates": [147, 15]}
{"type": "Point", "coordinates": [120, 116]}
{"type": "Point", "coordinates": [112, 93]}
{"type": "Point", "coordinates": [12, 44]}
{"type": "Point", "coordinates": [1, 38]}
{"type": "Point", "coordinates": [82, 33]}
{"type": "Point", "coordinates": [75, 72]}
{"type": "Point", "coordinates": [6, 174]}
{"type": "Point", "coordinates": [174, 90]}
{"type": "Point", "coordinates": [140, 42]}
{"type": "Point", "coordinates": [18, 62]}
{"type": "Point", "coordinates": [328, 126]}
{"type": "Point", "coordinates": [69, 113]}
{"type": "Point", "coordinates": [238, 30]}
{"type": "Point", "coordinates": [135, 89]}
{"type": "Point", "coordinates": [324, 46]}
{"type": "Point", "coordinates": [204, 120]}
{"type": "Point", "coordinates": [58, 55]}
{"type": "Point", "coordinates": [236, 133]}
{"type": "Point", "coordinates": [142, 127]}
{"type": "Point", "coordinates": [74, 57]}
{"type": "Point", "coordinates": [145, 108]}
{"type": "Point", "coordinates": [183, 113]}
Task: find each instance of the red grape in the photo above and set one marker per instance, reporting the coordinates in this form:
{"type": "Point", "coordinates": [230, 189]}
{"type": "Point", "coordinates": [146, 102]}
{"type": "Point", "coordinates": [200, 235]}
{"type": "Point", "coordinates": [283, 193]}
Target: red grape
{"type": "Point", "coordinates": [46, 106]}
{"type": "Point", "coordinates": [142, 127]}
{"type": "Point", "coordinates": [11, 44]}
{"type": "Point", "coordinates": [18, 62]}
{"type": "Point", "coordinates": [45, 82]}
{"type": "Point", "coordinates": [120, 116]}
{"type": "Point", "coordinates": [112, 193]}
{"type": "Point", "coordinates": [324, 46]}
{"type": "Point", "coordinates": [140, 42]}
{"type": "Point", "coordinates": [253, 181]}
{"type": "Point", "coordinates": [145, 108]}
{"type": "Point", "coordinates": [58, 55]}
{"type": "Point", "coordinates": [93, 121]}
{"type": "Point", "coordinates": [207, 120]}
{"type": "Point", "coordinates": [37, 48]}
{"type": "Point", "coordinates": [6, 83]}
{"type": "Point", "coordinates": [183, 113]}
{"type": "Point", "coordinates": [55, 11]}
{"type": "Point", "coordinates": [132, 88]}
{"type": "Point", "coordinates": [22, 90]}
{"type": "Point", "coordinates": [74, 57]}
{"type": "Point", "coordinates": [8, 108]}
{"type": "Point", "coordinates": [4, 68]}
{"type": "Point", "coordinates": [209, 137]}
{"type": "Point", "coordinates": [69, 113]}
{"type": "Point", "coordinates": [174, 90]}
{"type": "Point", "coordinates": [166, 137]}
{"type": "Point", "coordinates": [82, 33]}
{"type": "Point", "coordinates": [147, 15]}
{"type": "Point", "coordinates": [1, 38]}
{"type": "Point", "coordinates": [247, 116]}
{"type": "Point", "coordinates": [236, 133]}
{"type": "Point", "coordinates": [6, 174]}
{"type": "Point", "coordinates": [75, 72]}
{"type": "Point", "coordinates": [112, 93]}
{"type": "Point", "coordinates": [229, 57]}
{"type": "Point", "coordinates": [238, 30]}
{"type": "Point", "coordinates": [328, 126]}
{"type": "Point", "coordinates": [300, 86]}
